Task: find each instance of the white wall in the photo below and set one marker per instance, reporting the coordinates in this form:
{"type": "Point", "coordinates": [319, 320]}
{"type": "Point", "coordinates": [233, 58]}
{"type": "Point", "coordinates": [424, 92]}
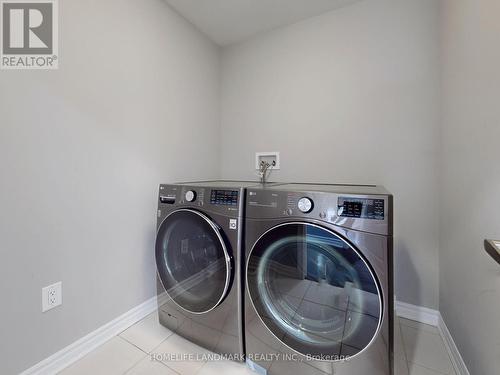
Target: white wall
{"type": "Point", "coordinates": [82, 151]}
{"type": "Point", "coordinates": [469, 278]}
{"type": "Point", "coordinates": [351, 96]}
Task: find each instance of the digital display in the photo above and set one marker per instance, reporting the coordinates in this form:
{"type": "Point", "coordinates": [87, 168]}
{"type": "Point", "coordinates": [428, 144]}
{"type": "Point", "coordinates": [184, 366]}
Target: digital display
{"type": "Point", "coordinates": [224, 197]}
{"type": "Point", "coordinates": [361, 208]}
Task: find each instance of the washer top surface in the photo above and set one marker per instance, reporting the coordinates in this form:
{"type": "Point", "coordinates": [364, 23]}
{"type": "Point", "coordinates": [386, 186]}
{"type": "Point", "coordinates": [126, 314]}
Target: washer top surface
{"type": "Point", "coordinates": [332, 188]}
{"type": "Point", "coordinates": [227, 184]}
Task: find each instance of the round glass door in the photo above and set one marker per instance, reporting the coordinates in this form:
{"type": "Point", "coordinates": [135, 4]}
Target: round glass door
{"type": "Point", "coordinates": [192, 261]}
{"type": "Point", "coordinates": [314, 291]}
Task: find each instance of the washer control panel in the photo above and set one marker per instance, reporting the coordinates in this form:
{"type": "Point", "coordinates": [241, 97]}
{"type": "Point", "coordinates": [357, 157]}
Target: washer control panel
{"type": "Point", "coordinates": [361, 208]}
{"type": "Point", "coordinates": [215, 200]}
{"type": "Point", "coordinates": [224, 197]}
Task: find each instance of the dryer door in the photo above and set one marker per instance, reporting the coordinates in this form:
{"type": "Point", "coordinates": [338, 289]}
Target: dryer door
{"type": "Point", "coordinates": [314, 291]}
{"type": "Point", "coordinates": [192, 261]}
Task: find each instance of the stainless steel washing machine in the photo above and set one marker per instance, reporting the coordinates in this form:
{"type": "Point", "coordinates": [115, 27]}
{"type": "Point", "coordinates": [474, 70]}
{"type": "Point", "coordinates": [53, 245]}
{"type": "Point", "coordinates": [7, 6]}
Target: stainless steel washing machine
{"type": "Point", "coordinates": [198, 260]}
{"type": "Point", "coordinates": [319, 285]}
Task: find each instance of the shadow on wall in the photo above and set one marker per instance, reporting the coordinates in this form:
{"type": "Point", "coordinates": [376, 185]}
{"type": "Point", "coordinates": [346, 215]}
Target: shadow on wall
{"type": "Point", "coordinates": [405, 273]}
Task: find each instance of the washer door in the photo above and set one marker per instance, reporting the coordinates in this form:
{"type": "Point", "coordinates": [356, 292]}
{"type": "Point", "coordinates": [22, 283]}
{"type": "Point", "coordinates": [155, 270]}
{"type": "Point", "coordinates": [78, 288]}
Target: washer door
{"type": "Point", "coordinates": [314, 291]}
{"type": "Point", "coordinates": [192, 261]}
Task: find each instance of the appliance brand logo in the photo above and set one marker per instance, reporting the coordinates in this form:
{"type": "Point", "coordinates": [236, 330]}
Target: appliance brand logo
{"type": "Point", "coordinates": [29, 37]}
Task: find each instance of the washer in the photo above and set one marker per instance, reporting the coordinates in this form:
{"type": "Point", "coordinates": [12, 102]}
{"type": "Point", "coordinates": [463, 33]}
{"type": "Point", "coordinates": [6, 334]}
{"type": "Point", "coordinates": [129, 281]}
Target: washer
{"type": "Point", "coordinates": [198, 260]}
{"type": "Point", "coordinates": [319, 286]}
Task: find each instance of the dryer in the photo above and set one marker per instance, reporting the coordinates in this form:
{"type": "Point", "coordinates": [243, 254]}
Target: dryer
{"type": "Point", "coordinates": [198, 260]}
{"type": "Point", "coordinates": [319, 286]}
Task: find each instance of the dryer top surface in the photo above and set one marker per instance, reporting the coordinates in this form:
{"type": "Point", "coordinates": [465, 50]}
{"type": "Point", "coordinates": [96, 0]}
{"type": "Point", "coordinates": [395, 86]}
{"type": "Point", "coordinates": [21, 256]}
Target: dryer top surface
{"type": "Point", "coordinates": [332, 188]}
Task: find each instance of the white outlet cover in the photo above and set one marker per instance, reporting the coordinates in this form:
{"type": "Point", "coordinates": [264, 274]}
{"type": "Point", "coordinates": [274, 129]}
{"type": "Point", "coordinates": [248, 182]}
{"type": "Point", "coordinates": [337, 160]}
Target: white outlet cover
{"type": "Point", "coordinates": [271, 154]}
{"type": "Point", "coordinates": [51, 296]}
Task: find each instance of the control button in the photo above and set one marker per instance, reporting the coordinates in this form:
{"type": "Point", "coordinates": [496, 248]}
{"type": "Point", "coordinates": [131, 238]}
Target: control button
{"type": "Point", "coordinates": [322, 214]}
{"type": "Point", "coordinates": [190, 196]}
{"type": "Point", "coordinates": [289, 211]}
{"type": "Point", "coordinates": [305, 205]}
{"type": "Point", "coordinates": [233, 224]}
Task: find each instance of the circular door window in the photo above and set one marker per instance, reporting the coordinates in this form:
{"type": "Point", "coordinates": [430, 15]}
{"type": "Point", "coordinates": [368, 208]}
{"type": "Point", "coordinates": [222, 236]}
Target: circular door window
{"type": "Point", "coordinates": [314, 291]}
{"type": "Point", "coordinates": [192, 261]}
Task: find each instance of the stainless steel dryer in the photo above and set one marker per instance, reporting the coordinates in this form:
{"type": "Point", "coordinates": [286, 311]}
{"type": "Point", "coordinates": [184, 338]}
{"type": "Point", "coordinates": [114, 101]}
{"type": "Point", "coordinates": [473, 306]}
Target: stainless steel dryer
{"type": "Point", "coordinates": [319, 286]}
{"type": "Point", "coordinates": [198, 258]}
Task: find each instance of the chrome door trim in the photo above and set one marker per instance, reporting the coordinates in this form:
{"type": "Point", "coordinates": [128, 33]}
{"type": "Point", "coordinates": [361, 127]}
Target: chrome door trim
{"type": "Point", "coordinates": [377, 284]}
{"type": "Point", "coordinates": [226, 255]}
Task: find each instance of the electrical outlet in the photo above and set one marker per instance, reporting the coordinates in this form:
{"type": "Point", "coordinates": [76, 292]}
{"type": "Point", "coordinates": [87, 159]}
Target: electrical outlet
{"type": "Point", "coordinates": [273, 158]}
{"type": "Point", "coordinates": [51, 296]}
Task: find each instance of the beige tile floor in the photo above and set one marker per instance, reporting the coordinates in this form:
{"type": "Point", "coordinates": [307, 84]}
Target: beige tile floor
{"type": "Point", "coordinates": [419, 350]}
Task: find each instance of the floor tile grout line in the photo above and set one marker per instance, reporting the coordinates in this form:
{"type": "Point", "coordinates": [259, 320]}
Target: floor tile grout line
{"type": "Point", "coordinates": [172, 334]}
{"type": "Point", "coordinates": [404, 346]}
{"type": "Point", "coordinates": [160, 362]}
{"type": "Point", "coordinates": [448, 352]}
{"type": "Point", "coordinates": [203, 365]}
{"type": "Point", "coordinates": [170, 368]}
{"type": "Point", "coordinates": [404, 349]}
{"type": "Point", "coordinates": [415, 322]}
{"type": "Point", "coordinates": [100, 346]}
{"type": "Point", "coordinates": [160, 344]}
{"type": "Point", "coordinates": [131, 343]}
{"type": "Point", "coordinates": [162, 341]}
{"type": "Point", "coordinates": [428, 331]}
{"type": "Point", "coordinates": [428, 368]}
{"type": "Point", "coordinates": [136, 323]}
{"type": "Point", "coordinates": [155, 347]}
{"type": "Point", "coordinates": [135, 363]}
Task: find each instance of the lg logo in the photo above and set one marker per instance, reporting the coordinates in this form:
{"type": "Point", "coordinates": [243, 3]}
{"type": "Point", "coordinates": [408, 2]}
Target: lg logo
{"type": "Point", "coordinates": [29, 34]}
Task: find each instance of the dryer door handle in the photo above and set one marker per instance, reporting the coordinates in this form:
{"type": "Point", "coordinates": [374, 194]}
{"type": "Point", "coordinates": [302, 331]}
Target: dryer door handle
{"type": "Point", "coordinates": [492, 247]}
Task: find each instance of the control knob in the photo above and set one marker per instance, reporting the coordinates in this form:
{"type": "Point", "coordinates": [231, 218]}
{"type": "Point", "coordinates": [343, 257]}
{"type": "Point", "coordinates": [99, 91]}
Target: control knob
{"type": "Point", "coordinates": [305, 205]}
{"type": "Point", "coordinates": [190, 196]}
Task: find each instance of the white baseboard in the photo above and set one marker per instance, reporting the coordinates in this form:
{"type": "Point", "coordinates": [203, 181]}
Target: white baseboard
{"type": "Point", "coordinates": [456, 358]}
{"type": "Point", "coordinates": [417, 313]}
{"type": "Point", "coordinates": [434, 318]}
{"type": "Point", "coordinates": [86, 344]}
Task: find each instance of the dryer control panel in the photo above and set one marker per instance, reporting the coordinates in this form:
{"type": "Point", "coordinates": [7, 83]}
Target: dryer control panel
{"type": "Point", "coordinates": [369, 212]}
